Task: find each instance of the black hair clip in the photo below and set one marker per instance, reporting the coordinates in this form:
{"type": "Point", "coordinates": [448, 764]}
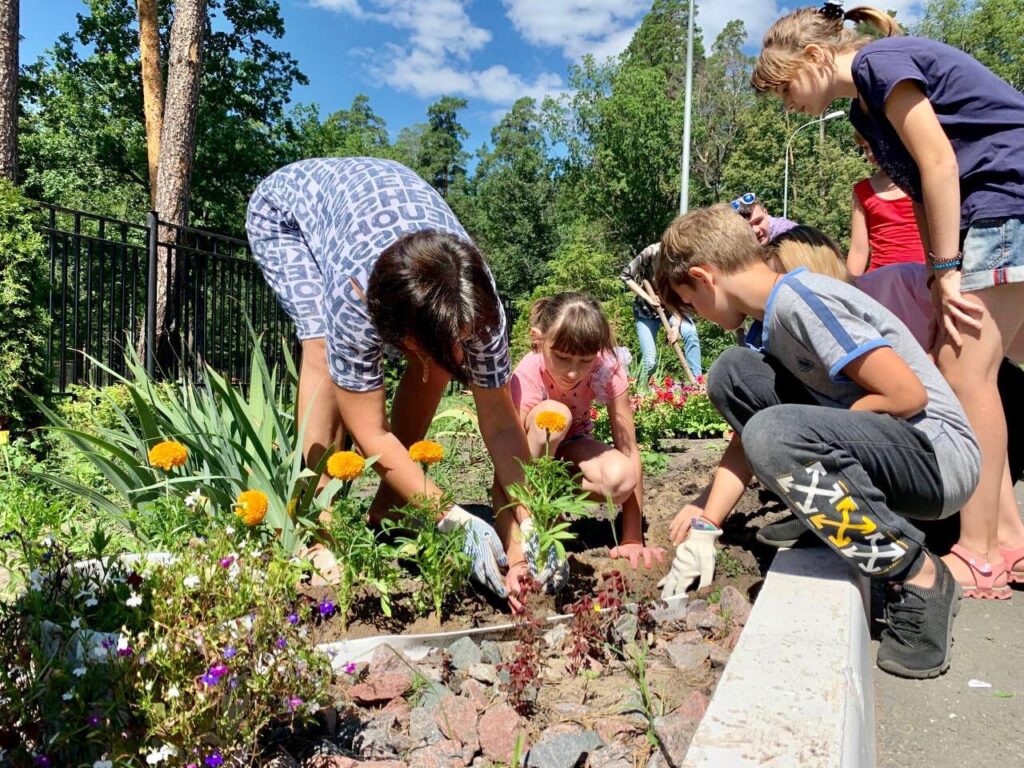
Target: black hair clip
{"type": "Point", "coordinates": [832, 11]}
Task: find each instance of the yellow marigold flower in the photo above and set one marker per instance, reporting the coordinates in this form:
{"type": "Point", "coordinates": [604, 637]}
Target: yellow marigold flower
{"type": "Point", "coordinates": [551, 421]}
{"type": "Point", "coordinates": [167, 455]}
{"type": "Point", "coordinates": [426, 452]}
{"type": "Point", "coordinates": [345, 465]}
{"type": "Point", "coordinates": [251, 507]}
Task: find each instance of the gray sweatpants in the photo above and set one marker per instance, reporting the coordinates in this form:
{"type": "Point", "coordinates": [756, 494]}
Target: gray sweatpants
{"type": "Point", "coordinates": [853, 477]}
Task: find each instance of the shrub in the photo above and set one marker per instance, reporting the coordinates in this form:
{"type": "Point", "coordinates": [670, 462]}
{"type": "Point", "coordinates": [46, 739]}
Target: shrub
{"type": "Point", "coordinates": [24, 322]}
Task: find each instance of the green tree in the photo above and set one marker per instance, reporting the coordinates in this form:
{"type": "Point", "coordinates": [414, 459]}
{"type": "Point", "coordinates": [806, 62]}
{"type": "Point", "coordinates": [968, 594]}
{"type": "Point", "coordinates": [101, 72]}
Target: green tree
{"type": "Point", "coordinates": [514, 195]}
{"type": "Point", "coordinates": [84, 128]}
{"type": "Point", "coordinates": [354, 132]}
{"type": "Point", "coordinates": [442, 159]}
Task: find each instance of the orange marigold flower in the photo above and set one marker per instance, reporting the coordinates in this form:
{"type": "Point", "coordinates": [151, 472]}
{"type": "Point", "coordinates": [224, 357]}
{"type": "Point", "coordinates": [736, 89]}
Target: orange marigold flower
{"type": "Point", "coordinates": [167, 455]}
{"type": "Point", "coordinates": [345, 465]}
{"type": "Point", "coordinates": [251, 507]}
{"type": "Point", "coordinates": [551, 421]}
{"type": "Point", "coordinates": [426, 452]}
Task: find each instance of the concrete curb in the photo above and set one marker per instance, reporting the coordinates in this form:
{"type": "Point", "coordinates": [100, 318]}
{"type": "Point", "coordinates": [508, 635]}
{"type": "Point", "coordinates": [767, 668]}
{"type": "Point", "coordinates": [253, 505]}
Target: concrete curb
{"type": "Point", "coordinates": [797, 690]}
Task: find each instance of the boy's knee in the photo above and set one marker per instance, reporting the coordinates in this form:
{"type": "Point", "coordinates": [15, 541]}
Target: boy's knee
{"type": "Point", "coordinates": [765, 437]}
{"type": "Point", "coordinates": [728, 371]}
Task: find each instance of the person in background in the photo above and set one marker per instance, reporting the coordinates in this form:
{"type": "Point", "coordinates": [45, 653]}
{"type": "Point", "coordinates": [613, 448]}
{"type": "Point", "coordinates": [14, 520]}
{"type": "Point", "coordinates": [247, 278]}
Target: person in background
{"type": "Point", "coordinates": [883, 229]}
{"type": "Point", "coordinates": [766, 228]}
{"type": "Point", "coordinates": [648, 323]}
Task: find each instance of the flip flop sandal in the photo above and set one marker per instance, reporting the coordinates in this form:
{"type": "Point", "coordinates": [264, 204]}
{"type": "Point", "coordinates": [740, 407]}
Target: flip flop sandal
{"type": "Point", "coordinates": [985, 576]}
{"type": "Point", "coordinates": [1012, 557]}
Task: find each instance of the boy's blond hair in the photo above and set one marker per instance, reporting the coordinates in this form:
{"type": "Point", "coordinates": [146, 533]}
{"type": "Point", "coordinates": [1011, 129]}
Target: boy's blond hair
{"type": "Point", "coordinates": [809, 247]}
{"type": "Point", "coordinates": [715, 237]}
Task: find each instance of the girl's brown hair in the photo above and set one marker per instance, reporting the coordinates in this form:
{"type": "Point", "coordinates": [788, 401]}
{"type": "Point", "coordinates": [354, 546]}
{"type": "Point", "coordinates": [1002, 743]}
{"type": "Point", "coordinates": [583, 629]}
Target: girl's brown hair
{"type": "Point", "coordinates": [782, 51]}
{"type": "Point", "coordinates": [809, 247]}
{"type": "Point", "coordinates": [572, 323]}
{"type": "Point", "coordinates": [436, 288]}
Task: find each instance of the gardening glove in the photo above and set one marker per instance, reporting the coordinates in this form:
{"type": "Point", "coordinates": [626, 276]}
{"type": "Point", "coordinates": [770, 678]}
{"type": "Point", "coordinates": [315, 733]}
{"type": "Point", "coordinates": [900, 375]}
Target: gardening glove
{"type": "Point", "coordinates": [482, 545]}
{"type": "Point", "coordinates": [555, 572]}
{"type": "Point", "coordinates": [695, 559]}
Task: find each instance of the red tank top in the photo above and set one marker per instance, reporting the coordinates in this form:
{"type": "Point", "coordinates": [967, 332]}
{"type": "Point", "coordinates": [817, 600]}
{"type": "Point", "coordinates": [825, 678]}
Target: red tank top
{"type": "Point", "coordinates": [893, 236]}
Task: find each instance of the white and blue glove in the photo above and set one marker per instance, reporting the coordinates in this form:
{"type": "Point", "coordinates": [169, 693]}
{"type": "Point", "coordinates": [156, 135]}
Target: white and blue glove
{"type": "Point", "coordinates": [694, 561]}
{"type": "Point", "coordinates": [482, 545]}
{"type": "Point", "coordinates": [555, 573]}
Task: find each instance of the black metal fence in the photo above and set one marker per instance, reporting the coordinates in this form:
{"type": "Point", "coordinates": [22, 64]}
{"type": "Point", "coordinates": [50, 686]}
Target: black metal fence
{"type": "Point", "coordinates": [103, 295]}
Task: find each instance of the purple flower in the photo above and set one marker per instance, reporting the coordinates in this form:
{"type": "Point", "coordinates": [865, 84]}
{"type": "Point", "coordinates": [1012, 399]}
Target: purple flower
{"type": "Point", "coordinates": [294, 703]}
{"type": "Point", "coordinates": [293, 618]}
{"type": "Point", "coordinates": [350, 668]}
{"type": "Point", "coordinates": [326, 607]}
{"type": "Point", "coordinates": [229, 652]}
{"type": "Point", "coordinates": [225, 562]}
{"type": "Point", "coordinates": [281, 642]}
{"type": "Point", "coordinates": [209, 679]}
{"type": "Point", "coordinates": [108, 643]}
{"type": "Point", "coordinates": [94, 720]}
{"type": "Point", "coordinates": [126, 651]}
{"type": "Point", "coordinates": [214, 760]}
{"type": "Point", "coordinates": [42, 760]}
{"type": "Point", "coordinates": [233, 682]}
{"type": "Point", "coordinates": [219, 670]}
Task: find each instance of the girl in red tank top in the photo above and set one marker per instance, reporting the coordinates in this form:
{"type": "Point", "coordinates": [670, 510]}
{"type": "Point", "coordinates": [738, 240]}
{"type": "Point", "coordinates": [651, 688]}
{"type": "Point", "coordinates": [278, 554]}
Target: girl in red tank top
{"type": "Point", "coordinates": [883, 229]}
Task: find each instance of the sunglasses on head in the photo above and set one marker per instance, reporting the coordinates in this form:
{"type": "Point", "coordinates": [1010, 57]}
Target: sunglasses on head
{"type": "Point", "coordinates": [747, 199]}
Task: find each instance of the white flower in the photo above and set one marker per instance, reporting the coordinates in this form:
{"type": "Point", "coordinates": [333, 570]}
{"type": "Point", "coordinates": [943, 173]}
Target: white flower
{"type": "Point", "coordinates": [76, 623]}
{"type": "Point", "coordinates": [122, 643]}
{"type": "Point", "coordinates": [134, 601]}
{"type": "Point", "coordinates": [233, 571]}
{"type": "Point", "coordinates": [229, 530]}
{"type": "Point", "coordinates": [160, 755]}
{"type": "Point", "coordinates": [46, 541]}
{"type": "Point", "coordinates": [191, 581]}
{"type": "Point", "coordinates": [91, 602]}
{"type": "Point", "coordinates": [36, 580]}
{"type": "Point", "coordinates": [69, 695]}
{"type": "Point", "coordinates": [173, 692]}
{"type": "Point", "coordinates": [312, 708]}
{"type": "Point", "coordinates": [103, 764]}
{"type": "Point", "coordinates": [193, 499]}
{"type": "Point", "coordinates": [79, 671]}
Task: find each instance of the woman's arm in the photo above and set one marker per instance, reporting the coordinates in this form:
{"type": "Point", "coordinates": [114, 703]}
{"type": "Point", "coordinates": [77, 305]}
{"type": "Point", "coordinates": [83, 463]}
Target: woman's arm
{"type": "Point", "coordinates": [891, 384]}
{"type": "Point", "coordinates": [502, 430]}
{"type": "Point", "coordinates": [911, 114]}
{"type": "Point", "coordinates": [857, 258]}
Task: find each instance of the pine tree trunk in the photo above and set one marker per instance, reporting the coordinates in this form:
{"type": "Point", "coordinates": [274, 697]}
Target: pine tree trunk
{"type": "Point", "coordinates": [152, 86]}
{"type": "Point", "coordinates": [177, 156]}
{"type": "Point", "coordinates": [9, 89]}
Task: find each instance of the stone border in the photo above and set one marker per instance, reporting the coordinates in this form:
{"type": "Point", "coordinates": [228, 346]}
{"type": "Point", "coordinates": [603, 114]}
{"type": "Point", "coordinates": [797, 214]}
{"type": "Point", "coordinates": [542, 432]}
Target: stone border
{"type": "Point", "coordinates": [797, 690]}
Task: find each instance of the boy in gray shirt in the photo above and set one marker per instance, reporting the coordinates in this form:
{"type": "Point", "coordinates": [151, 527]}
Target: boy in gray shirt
{"type": "Point", "coordinates": [841, 413]}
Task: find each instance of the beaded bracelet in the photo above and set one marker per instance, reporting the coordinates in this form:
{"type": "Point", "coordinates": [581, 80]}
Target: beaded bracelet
{"type": "Point", "coordinates": [952, 264]}
{"type": "Point", "coordinates": [942, 260]}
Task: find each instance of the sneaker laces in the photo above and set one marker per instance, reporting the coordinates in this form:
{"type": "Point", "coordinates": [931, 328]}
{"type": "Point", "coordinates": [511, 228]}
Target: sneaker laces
{"type": "Point", "coordinates": [905, 615]}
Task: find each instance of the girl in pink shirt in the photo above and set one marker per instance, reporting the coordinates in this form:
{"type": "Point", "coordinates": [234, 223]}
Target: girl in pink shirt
{"type": "Point", "coordinates": [573, 365]}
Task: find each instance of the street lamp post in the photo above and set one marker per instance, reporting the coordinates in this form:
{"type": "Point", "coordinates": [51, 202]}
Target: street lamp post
{"type": "Point", "coordinates": [785, 178]}
{"type": "Point", "coordinates": [684, 183]}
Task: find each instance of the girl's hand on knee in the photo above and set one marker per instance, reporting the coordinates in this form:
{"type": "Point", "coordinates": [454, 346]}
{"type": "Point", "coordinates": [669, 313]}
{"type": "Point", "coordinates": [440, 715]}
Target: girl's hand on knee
{"type": "Point", "coordinates": [679, 528]}
{"type": "Point", "coordinates": [953, 309]}
{"type": "Point", "coordinates": [636, 551]}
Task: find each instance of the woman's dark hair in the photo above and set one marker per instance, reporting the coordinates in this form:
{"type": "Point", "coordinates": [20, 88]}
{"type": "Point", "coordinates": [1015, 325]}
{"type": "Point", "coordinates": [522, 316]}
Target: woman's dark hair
{"type": "Point", "coordinates": [434, 287]}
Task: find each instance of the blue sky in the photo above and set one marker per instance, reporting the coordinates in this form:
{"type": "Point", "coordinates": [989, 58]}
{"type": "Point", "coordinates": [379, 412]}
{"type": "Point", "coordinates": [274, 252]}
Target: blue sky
{"type": "Point", "coordinates": [406, 53]}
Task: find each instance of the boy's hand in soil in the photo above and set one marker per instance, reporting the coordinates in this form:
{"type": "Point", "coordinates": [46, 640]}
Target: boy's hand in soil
{"type": "Point", "coordinates": [555, 571]}
{"type": "Point", "coordinates": [482, 545]}
{"type": "Point", "coordinates": [636, 551]}
{"type": "Point", "coordinates": [694, 560]}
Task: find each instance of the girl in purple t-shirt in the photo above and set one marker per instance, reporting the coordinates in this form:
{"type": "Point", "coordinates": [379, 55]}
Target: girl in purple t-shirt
{"type": "Point", "coordinates": [950, 133]}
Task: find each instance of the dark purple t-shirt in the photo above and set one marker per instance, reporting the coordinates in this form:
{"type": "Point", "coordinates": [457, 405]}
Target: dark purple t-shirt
{"type": "Point", "coordinates": [982, 115]}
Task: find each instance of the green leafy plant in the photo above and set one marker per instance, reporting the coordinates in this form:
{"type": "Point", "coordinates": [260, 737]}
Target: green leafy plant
{"type": "Point", "coordinates": [24, 322]}
{"type": "Point", "coordinates": [554, 500]}
{"type": "Point", "coordinates": [235, 441]}
{"type": "Point", "coordinates": [437, 555]}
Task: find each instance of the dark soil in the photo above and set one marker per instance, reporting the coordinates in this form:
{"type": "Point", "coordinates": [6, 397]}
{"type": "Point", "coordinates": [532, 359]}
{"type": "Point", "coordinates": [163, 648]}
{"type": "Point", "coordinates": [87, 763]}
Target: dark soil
{"type": "Point", "coordinates": [742, 560]}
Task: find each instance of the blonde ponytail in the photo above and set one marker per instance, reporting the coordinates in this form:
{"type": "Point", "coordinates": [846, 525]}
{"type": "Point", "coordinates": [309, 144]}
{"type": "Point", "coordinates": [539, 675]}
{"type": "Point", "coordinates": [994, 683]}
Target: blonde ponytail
{"type": "Point", "coordinates": [782, 51]}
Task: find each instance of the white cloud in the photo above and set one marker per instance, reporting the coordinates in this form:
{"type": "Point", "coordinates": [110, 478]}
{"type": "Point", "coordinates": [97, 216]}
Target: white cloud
{"type": "Point", "coordinates": [577, 27]}
{"type": "Point", "coordinates": [435, 59]}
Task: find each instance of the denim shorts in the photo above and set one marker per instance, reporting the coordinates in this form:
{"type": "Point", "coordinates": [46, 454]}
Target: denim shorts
{"type": "Point", "coordinates": [993, 253]}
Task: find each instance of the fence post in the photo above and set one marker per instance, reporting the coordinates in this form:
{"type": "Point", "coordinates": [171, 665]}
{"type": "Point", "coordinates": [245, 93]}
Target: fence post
{"type": "Point", "coordinates": [153, 223]}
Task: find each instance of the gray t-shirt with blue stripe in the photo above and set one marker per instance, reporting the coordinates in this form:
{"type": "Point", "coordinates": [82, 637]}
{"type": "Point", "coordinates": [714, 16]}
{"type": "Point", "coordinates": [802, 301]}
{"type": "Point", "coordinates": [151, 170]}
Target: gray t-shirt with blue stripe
{"type": "Point", "coordinates": [815, 326]}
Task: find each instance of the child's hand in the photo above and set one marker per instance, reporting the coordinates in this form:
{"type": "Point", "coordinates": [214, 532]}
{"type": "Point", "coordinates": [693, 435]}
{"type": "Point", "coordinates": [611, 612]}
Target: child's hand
{"type": "Point", "coordinates": [694, 561]}
{"type": "Point", "coordinates": [517, 574]}
{"type": "Point", "coordinates": [679, 528]}
{"type": "Point", "coordinates": [952, 308]}
{"type": "Point", "coordinates": [636, 551]}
